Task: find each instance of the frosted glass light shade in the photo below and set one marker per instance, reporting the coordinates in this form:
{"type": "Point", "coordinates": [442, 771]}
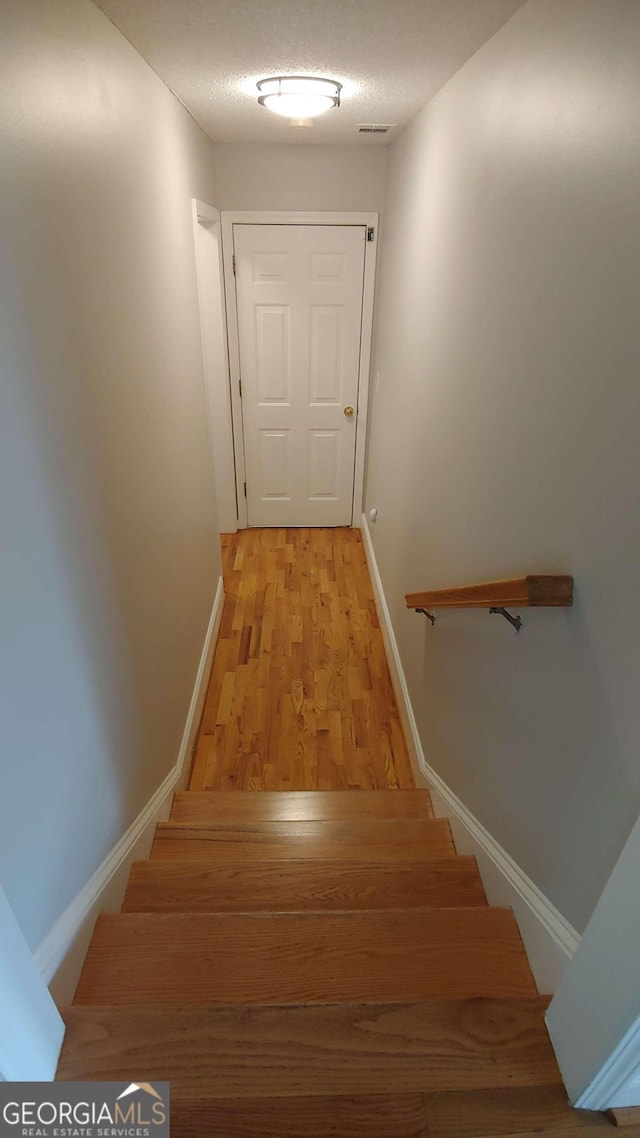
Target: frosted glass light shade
{"type": "Point", "coordinates": [299, 96]}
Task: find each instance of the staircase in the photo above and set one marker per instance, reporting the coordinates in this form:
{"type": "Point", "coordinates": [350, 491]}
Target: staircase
{"type": "Point", "coordinates": [316, 964]}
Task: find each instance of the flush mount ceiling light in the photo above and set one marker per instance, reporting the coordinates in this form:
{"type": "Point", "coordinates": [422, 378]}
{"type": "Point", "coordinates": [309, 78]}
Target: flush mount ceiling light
{"type": "Point", "coordinates": [299, 96]}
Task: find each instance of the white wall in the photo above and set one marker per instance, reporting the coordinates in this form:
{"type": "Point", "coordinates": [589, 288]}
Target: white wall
{"type": "Point", "coordinates": [297, 177]}
{"type": "Point", "coordinates": [594, 1018]}
{"type": "Point", "coordinates": [504, 434]}
{"type": "Point", "coordinates": [110, 555]}
{"type": "Point", "coordinates": [31, 1030]}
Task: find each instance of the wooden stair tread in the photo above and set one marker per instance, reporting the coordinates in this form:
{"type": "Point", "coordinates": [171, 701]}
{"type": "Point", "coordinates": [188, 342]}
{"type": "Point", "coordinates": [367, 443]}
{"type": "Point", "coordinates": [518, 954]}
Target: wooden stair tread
{"type": "Point", "coordinates": [562, 1132]}
{"type": "Point", "coordinates": [283, 958]}
{"type": "Point", "coordinates": [313, 805]}
{"type": "Point", "coordinates": [191, 886]}
{"type": "Point", "coordinates": [352, 1116]}
{"type": "Point", "coordinates": [340, 1049]}
{"type": "Point", "coordinates": [489, 1112]}
{"type": "Point", "coordinates": [390, 839]}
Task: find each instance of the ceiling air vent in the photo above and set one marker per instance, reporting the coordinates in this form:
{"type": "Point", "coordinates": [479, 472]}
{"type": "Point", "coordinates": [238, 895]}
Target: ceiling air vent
{"type": "Point", "coordinates": [375, 127]}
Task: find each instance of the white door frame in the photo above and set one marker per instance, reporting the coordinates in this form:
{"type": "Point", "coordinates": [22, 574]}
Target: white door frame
{"type": "Point", "coordinates": [215, 358]}
{"type": "Point", "coordinates": [252, 217]}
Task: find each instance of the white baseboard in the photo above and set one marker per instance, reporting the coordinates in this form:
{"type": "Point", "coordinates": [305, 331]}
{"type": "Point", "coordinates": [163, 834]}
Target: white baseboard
{"type": "Point", "coordinates": [617, 1084]}
{"type": "Point", "coordinates": [549, 939]}
{"type": "Point", "coordinates": [61, 954]}
{"type": "Point", "coordinates": [199, 695]}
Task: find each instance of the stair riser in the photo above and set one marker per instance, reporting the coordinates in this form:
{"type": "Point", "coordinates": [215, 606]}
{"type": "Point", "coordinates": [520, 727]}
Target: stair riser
{"type": "Point", "coordinates": [230, 853]}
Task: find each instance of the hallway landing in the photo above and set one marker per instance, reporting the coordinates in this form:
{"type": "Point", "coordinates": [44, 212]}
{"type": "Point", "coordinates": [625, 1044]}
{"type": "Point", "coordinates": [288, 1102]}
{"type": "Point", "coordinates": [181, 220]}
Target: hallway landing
{"type": "Point", "coordinates": [300, 696]}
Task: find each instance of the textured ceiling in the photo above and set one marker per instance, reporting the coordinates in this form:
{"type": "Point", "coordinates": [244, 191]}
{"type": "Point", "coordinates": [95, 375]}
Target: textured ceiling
{"type": "Point", "coordinates": [391, 55]}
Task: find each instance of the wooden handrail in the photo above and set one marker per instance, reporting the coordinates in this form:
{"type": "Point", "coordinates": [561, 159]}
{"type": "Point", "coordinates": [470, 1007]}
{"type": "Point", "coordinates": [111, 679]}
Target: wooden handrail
{"type": "Point", "coordinates": [534, 591]}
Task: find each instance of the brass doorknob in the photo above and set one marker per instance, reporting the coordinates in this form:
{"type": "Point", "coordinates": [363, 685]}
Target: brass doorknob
{"type": "Point", "coordinates": [348, 412]}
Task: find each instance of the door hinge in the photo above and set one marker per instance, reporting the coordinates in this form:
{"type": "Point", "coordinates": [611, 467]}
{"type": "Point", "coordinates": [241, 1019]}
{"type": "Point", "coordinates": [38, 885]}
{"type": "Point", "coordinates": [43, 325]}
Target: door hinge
{"type": "Point", "coordinates": [233, 260]}
{"type": "Point", "coordinates": [245, 489]}
{"type": "Point", "coordinates": [371, 233]}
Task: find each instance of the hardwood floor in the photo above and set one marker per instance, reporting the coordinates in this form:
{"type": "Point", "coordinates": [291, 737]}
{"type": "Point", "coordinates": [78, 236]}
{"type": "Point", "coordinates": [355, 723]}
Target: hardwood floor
{"type": "Point", "coordinates": [300, 696]}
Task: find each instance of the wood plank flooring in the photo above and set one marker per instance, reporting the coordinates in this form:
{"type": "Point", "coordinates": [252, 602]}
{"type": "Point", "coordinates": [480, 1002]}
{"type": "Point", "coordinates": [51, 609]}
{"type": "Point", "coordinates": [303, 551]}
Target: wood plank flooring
{"type": "Point", "coordinates": [300, 696]}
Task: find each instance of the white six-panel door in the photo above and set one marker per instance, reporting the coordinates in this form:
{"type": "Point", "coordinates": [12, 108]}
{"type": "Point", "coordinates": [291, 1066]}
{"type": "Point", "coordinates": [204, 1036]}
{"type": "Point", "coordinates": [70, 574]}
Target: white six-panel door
{"type": "Point", "coordinates": [299, 295]}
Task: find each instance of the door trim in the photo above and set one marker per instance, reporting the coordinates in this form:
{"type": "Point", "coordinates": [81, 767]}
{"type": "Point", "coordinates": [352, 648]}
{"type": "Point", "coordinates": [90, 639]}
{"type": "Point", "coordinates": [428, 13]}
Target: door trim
{"type": "Point", "coordinates": [215, 359]}
{"type": "Point", "coordinates": [252, 217]}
